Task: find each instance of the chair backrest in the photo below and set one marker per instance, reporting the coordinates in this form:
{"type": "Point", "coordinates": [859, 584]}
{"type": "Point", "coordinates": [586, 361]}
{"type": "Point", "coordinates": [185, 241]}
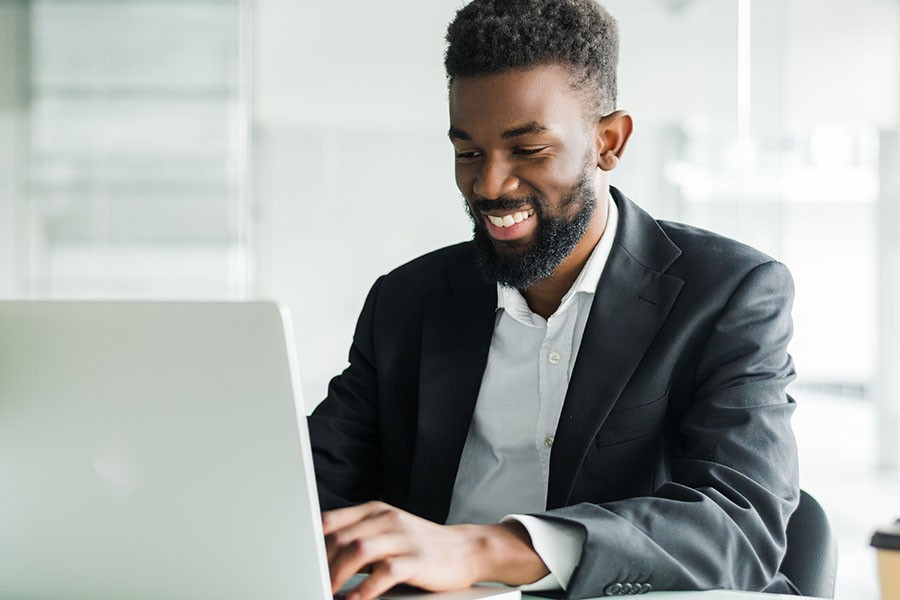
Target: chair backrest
{"type": "Point", "coordinates": [810, 561]}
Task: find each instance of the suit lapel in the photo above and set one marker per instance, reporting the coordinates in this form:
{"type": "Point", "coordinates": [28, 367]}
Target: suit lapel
{"type": "Point", "coordinates": [633, 299]}
{"type": "Point", "coordinates": [456, 337]}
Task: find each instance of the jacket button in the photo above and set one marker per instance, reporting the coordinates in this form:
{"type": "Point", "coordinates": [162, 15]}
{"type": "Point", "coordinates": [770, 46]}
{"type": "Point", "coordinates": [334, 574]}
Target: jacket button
{"type": "Point", "coordinates": [613, 589]}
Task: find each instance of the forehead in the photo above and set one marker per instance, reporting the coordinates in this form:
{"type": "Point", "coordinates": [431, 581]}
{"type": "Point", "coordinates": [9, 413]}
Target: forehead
{"type": "Point", "coordinates": [491, 104]}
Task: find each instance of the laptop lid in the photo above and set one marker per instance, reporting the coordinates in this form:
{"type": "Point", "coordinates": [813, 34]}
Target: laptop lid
{"type": "Point", "coordinates": [154, 450]}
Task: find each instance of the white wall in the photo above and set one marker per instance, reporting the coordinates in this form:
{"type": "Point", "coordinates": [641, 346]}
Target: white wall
{"type": "Point", "coordinates": [352, 171]}
{"type": "Point", "coordinates": [842, 62]}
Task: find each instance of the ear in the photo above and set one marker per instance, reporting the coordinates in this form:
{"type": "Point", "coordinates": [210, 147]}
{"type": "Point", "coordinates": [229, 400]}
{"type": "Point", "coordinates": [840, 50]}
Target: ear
{"type": "Point", "coordinates": [613, 132]}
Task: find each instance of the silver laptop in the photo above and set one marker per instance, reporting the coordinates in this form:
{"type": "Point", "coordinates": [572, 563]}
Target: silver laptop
{"type": "Point", "coordinates": [157, 450]}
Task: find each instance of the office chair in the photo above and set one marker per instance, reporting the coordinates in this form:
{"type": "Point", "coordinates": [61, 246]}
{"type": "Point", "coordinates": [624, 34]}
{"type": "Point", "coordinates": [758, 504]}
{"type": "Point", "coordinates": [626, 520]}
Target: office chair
{"type": "Point", "coordinates": [810, 561]}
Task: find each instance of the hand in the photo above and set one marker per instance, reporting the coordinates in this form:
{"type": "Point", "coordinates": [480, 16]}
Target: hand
{"type": "Point", "coordinates": [398, 547]}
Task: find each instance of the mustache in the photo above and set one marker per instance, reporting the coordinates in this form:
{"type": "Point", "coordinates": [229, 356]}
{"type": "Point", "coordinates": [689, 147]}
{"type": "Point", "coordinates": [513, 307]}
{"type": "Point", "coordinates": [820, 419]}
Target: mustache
{"type": "Point", "coordinates": [484, 205]}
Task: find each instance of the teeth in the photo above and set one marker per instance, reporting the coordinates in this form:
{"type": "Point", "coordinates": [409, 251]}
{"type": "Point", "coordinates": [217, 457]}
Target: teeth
{"type": "Point", "coordinates": [509, 220]}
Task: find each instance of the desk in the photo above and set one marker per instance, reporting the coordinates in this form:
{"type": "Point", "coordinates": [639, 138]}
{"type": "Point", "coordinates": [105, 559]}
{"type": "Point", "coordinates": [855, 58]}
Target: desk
{"type": "Point", "coordinates": [707, 595]}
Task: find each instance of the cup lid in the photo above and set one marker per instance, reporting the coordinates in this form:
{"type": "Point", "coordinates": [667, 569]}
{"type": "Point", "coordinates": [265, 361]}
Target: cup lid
{"type": "Point", "coordinates": [887, 537]}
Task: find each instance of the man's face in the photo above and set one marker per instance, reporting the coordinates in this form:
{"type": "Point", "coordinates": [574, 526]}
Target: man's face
{"type": "Point", "coordinates": [526, 165]}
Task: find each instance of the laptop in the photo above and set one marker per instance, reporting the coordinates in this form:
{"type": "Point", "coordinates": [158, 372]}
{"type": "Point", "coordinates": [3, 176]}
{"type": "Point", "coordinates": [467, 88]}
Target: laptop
{"type": "Point", "coordinates": [158, 450]}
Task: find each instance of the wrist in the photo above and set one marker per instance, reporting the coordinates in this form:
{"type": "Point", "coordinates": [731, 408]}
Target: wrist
{"type": "Point", "coordinates": [503, 553]}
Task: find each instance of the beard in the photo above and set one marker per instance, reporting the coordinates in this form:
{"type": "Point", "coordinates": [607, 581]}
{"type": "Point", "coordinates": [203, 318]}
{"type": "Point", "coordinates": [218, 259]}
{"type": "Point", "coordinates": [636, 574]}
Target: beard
{"type": "Point", "coordinates": [555, 236]}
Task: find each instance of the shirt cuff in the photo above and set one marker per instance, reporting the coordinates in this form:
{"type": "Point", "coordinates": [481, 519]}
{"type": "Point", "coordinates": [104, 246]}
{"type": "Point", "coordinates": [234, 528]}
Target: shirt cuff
{"type": "Point", "coordinates": [558, 545]}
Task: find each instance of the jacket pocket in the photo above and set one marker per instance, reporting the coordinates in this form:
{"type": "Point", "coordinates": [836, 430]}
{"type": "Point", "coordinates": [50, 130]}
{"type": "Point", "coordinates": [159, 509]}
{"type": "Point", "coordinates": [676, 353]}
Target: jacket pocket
{"type": "Point", "coordinates": [633, 422]}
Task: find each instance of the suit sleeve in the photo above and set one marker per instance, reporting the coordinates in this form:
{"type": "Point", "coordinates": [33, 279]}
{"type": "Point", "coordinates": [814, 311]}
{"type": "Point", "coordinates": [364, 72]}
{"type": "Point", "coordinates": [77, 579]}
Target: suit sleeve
{"type": "Point", "coordinates": [719, 522]}
{"type": "Point", "coordinates": [344, 427]}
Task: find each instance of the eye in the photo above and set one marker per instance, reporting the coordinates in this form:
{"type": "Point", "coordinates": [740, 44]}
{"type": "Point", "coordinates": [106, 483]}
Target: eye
{"type": "Point", "coordinates": [467, 154]}
{"type": "Point", "coordinates": [527, 151]}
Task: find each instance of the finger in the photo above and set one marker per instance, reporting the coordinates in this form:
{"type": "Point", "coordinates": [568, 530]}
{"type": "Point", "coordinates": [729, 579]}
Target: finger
{"type": "Point", "coordinates": [333, 520]}
{"type": "Point", "coordinates": [385, 575]}
{"type": "Point", "coordinates": [364, 552]}
{"type": "Point", "coordinates": [373, 524]}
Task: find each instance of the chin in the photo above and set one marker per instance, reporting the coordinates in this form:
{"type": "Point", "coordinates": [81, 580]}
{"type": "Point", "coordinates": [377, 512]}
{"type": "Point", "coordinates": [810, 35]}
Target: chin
{"type": "Point", "coordinates": [511, 247]}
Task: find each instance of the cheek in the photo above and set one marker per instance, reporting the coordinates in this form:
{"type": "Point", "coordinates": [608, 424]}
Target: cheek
{"type": "Point", "coordinates": [552, 178]}
{"type": "Point", "coordinates": [460, 181]}
{"type": "Point", "coordinates": [564, 167]}
{"type": "Point", "coordinates": [464, 179]}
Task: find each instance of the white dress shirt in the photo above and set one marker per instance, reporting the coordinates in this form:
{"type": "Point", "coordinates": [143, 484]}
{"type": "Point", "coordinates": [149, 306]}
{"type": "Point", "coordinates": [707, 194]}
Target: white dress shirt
{"type": "Point", "coordinates": [505, 464]}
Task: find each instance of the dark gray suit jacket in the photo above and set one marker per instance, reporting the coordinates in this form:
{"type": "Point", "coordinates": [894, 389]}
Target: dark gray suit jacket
{"type": "Point", "coordinates": [674, 450]}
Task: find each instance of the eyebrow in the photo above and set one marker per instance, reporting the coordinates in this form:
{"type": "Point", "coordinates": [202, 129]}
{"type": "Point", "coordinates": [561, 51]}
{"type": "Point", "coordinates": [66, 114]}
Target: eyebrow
{"type": "Point", "coordinates": [526, 129]}
{"type": "Point", "coordinates": [458, 134]}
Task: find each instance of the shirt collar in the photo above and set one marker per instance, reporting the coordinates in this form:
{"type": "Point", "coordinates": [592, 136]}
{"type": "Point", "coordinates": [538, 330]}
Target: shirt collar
{"type": "Point", "coordinates": [511, 300]}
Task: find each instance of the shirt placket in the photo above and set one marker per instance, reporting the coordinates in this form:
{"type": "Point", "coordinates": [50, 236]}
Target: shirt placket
{"type": "Point", "coordinates": [553, 370]}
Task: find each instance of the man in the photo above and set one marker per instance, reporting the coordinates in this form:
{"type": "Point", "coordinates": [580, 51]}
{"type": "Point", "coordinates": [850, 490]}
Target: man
{"type": "Point", "coordinates": [581, 398]}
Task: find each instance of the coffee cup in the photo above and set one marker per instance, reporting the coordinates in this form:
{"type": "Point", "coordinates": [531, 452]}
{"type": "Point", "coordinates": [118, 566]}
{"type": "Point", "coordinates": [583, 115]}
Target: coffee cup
{"type": "Point", "coordinates": [887, 543]}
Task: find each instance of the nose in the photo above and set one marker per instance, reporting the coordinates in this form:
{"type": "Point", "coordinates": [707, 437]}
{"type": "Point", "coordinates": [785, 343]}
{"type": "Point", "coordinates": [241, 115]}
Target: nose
{"type": "Point", "coordinates": [495, 179]}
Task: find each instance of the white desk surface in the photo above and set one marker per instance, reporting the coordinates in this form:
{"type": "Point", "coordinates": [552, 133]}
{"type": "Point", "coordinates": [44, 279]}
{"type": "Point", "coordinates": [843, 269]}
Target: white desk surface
{"type": "Point", "coordinates": [707, 595]}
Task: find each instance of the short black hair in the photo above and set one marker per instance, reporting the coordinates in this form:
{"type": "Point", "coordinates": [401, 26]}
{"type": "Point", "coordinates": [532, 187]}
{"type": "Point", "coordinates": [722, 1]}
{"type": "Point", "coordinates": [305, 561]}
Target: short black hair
{"type": "Point", "coordinates": [490, 36]}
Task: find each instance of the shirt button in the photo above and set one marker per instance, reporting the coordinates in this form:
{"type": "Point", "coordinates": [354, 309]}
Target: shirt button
{"type": "Point", "coordinates": [548, 441]}
{"type": "Point", "coordinates": [554, 358]}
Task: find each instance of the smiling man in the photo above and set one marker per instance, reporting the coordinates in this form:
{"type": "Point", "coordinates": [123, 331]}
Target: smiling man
{"type": "Point", "coordinates": [532, 167]}
{"type": "Point", "coordinates": [580, 398]}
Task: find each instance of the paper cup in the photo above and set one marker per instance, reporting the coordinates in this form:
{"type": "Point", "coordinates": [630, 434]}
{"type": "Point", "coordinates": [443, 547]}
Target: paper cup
{"type": "Point", "coordinates": [887, 542]}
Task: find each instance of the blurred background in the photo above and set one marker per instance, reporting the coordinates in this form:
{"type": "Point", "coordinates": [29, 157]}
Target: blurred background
{"type": "Point", "coordinates": [295, 150]}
